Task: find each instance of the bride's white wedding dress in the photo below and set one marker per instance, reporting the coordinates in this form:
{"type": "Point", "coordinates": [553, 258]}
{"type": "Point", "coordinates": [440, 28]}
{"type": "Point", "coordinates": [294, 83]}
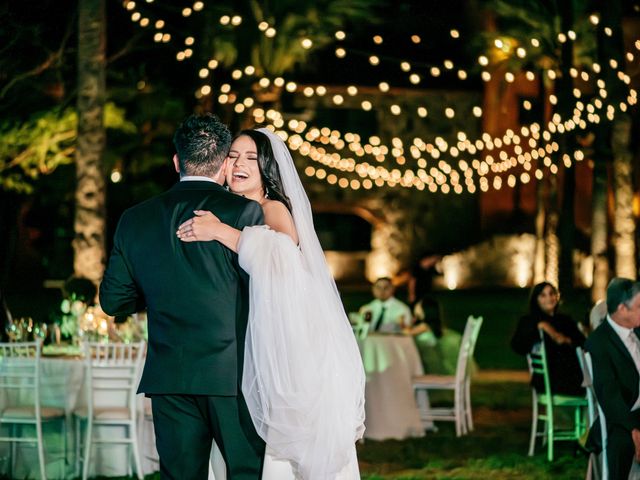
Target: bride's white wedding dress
{"type": "Point", "coordinates": [303, 379]}
{"type": "Point", "coordinates": [307, 363]}
{"type": "Point", "coordinates": [275, 469]}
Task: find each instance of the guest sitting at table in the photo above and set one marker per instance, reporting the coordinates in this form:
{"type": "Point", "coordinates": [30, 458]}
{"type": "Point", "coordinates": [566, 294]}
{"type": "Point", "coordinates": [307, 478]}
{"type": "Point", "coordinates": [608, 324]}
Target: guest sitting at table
{"type": "Point", "coordinates": [561, 339]}
{"type": "Point", "coordinates": [386, 313]}
{"type": "Point", "coordinates": [437, 344]}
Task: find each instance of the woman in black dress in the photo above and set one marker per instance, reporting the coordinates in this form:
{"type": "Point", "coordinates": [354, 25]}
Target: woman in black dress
{"type": "Point", "coordinates": [561, 339]}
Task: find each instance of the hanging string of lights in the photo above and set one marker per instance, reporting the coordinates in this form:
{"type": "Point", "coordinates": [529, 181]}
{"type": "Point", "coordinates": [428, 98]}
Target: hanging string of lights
{"type": "Point", "coordinates": [501, 153]}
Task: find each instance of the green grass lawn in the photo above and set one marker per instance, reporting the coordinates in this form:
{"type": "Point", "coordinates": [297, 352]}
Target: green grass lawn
{"type": "Point", "coordinates": [496, 449]}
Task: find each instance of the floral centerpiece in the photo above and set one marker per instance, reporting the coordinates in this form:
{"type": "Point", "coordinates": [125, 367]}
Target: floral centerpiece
{"type": "Point", "coordinates": [73, 309]}
{"type": "Point", "coordinates": [80, 318]}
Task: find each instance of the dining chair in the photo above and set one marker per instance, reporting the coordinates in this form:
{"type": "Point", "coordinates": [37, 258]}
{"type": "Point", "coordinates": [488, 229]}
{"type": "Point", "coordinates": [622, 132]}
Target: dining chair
{"type": "Point", "coordinates": [599, 415]}
{"type": "Point", "coordinates": [549, 401]}
{"type": "Point", "coordinates": [112, 371]}
{"type": "Point", "coordinates": [146, 430]}
{"type": "Point", "coordinates": [460, 384]}
{"type": "Point", "coordinates": [592, 407]}
{"type": "Point", "coordinates": [22, 406]}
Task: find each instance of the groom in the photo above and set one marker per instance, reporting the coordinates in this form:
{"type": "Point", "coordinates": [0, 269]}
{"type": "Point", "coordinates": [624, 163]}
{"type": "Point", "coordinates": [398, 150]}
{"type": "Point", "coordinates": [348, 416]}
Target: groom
{"type": "Point", "coordinates": [196, 297]}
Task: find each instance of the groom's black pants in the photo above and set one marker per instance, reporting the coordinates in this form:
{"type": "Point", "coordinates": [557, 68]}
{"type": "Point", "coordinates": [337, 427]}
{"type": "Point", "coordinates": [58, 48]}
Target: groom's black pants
{"type": "Point", "coordinates": [185, 426]}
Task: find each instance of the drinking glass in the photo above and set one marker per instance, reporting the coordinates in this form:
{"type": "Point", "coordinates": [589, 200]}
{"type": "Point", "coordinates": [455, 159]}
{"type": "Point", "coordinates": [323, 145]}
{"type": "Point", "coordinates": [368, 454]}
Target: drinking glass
{"type": "Point", "coordinates": [40, 331]}
{"type": "Point", "coordinates": [11, 329]}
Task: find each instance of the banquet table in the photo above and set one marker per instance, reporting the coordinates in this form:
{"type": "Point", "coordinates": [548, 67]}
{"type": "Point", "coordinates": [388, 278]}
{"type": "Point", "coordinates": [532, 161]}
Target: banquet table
{"type": "Point", "coordinates": [390, 363]}
{"type": "Point", "coordinates": [62, 385]}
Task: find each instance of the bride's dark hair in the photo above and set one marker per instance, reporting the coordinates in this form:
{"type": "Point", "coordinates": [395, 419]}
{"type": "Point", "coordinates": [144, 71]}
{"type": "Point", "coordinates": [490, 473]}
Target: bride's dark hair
{"type": "Point", "coordinates": [268, 167]}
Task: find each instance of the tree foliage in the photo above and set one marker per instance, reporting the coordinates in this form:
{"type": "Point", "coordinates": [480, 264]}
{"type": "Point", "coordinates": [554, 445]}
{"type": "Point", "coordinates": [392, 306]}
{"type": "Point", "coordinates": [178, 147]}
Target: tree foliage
{"type": "Point", "coordinates": [520, 21]}
{"type": "Point", "coordinates": [293, 21]}
{"type": "Point", "coordinates": [45, 141]}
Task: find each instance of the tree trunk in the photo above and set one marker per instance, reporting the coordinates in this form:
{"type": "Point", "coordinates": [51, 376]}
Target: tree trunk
{"type": "Point", "coordinates": [542, 190]}
{"type": "Point", "coordinates": [611, 46]}
{"type": "Point", "coordinates": [551, 240]}
{"type": "Point", "coordinates": [567, 143]}
{"type": "Point", "coordinates": [599, 229]}
{"type": "Point", "coordinates": [539, 255]}
{"type": "Point", "coordinates": [90, 224]}
{"type": "Point", "coordinates": [624, 223]}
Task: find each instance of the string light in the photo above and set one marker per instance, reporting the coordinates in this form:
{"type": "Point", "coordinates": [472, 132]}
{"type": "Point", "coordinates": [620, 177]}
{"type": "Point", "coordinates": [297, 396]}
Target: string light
{"type": "Point", "coordinates": [443, 178]}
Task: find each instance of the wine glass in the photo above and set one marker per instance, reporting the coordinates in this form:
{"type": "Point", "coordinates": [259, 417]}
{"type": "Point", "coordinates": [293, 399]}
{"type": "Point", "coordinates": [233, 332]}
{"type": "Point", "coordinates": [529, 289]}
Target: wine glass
{"type": "Point", "coordinates": [25, 328]}
{"type": "Point", "coordinates": [40, 331]}
{"type": "Point", "coordinates": [11, 329]}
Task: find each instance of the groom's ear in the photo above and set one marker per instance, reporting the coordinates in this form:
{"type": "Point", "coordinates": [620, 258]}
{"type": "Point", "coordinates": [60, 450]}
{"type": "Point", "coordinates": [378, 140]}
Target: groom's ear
{"type": "Point", "coordinates": [176, 162]}
{"type": "Point", "coordinates": [225, 165]}
{"type": "Point", "coordinates": [220, 174]}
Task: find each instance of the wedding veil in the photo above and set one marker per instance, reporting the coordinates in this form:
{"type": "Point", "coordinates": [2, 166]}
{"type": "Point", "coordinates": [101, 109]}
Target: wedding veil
{"type": "Point", "coordinates": [303, 379]}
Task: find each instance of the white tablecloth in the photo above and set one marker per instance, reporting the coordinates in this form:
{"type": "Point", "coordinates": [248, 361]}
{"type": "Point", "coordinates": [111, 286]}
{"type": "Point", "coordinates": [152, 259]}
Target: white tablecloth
{"type": "Point", "coordinates": [390, 363]}
{"type": "Point", "coordinates": [62, 386]}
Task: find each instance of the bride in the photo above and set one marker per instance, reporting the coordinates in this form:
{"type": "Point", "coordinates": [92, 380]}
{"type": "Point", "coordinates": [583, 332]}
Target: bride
{"type": "Point", "coordinates": [303, 379]}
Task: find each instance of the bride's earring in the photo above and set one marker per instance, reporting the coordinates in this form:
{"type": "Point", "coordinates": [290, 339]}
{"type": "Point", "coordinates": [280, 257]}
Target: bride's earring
{"type": "Point", "coordinates": [266, 192]}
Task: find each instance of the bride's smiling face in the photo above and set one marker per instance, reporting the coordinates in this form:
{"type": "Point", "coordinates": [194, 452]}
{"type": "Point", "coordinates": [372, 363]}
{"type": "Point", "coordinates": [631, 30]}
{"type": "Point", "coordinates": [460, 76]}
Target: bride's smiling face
{"type": "Point", "coordinates": [243, 172]}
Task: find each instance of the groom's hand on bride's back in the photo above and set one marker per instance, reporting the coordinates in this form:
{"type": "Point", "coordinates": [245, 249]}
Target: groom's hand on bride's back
{"type": "Point", "coordinates": [201, 228]}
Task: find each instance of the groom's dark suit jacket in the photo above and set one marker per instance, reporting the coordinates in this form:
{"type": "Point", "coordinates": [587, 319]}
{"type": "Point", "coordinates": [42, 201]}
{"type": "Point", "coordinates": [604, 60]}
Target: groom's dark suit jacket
{"type": "Point", "coordinates": [195, 294]}
{"type": "Point", "coordinates": [615, 380]}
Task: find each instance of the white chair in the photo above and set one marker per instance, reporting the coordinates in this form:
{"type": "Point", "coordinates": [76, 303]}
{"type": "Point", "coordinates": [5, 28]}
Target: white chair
{"type": "Point", "coordinates": [549, 401]}
{"type": "Point", "coordinates": [460, 384]}
{"type": "Point", "coordinates": [112, 373]}
{"type": "Point", "coordinates": [146, 430]}
{"type": "Point", "coordinates": [20, 385]}
{"type": "Point", "coordinates": [592, 407]}
{"type": "Point", "coordinates": [604, 467]}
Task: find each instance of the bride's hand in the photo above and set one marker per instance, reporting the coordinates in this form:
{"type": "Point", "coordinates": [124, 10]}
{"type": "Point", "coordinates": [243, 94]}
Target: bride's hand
{"type": "Point", "coordinates": [201, 228]}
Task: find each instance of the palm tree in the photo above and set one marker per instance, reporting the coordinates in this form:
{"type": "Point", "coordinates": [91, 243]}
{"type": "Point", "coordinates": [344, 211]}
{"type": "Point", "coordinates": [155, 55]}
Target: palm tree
{"type": "Point", "coordinates": [90, 223]}
{"type": "Point", "coordinates": [277, 37]}
{"type": "Point", "coordinates": [551, 240]}
{"type": "Point", "coordinates": [624, 225]}
{"type": "Point", "coordinates": [599, 226]}
{"type": "Point", "coordinates": [611, 47]}
{"type": "Point", "coordinates": [521, 21]}
{"type": "Point", "coordinates": [293, 21]}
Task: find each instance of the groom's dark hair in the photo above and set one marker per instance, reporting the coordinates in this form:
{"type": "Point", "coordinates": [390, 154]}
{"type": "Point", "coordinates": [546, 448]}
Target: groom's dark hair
{"type": "Point", "coordinates": [202, 142]}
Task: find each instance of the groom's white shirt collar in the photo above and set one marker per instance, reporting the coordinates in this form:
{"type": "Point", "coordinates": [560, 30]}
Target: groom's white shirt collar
{"type": "Point", "coordinates": [196, 178]}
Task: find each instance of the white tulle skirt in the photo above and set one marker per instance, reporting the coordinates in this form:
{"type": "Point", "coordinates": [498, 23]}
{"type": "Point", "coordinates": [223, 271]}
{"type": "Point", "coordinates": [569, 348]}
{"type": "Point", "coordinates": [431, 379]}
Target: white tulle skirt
{"type": "Point", "coordinates": [276, 469]}
{"type": "Point", "coordinates": [303, 378]}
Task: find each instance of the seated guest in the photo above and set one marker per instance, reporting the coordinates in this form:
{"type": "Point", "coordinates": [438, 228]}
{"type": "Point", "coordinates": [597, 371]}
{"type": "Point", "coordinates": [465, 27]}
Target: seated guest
{"type": "Point", "coordinates": [437, 344]}
{"type": "Point", "coordinates": [561, 339]}
{"type": "Point", "coordinates": [615, 354]}
{"type": "Point", "coordinates": [421, 276]}
{"type": "Point", "coordinates": [386, 313]}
